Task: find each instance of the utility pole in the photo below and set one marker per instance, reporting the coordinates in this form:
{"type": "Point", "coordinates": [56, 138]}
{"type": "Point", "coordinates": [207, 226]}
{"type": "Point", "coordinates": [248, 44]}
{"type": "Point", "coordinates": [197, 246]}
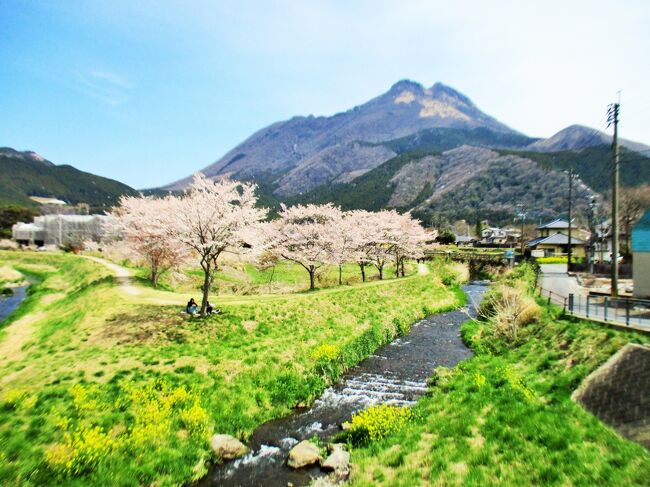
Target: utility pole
{"type": "Point", "coordinates": [592, 233]}
{"type": "Point", "coordinates": [612, 119]}
{"type": "Point", "coordinates": [522, 218]}
{"type": "Point", "coordinates": [570, 251]}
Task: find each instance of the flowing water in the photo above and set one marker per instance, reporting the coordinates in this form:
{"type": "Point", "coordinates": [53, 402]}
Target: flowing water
{"type": "Point", "coordinates": [396, 374]}
{"type": "Point", "coordinates": [8, 304]}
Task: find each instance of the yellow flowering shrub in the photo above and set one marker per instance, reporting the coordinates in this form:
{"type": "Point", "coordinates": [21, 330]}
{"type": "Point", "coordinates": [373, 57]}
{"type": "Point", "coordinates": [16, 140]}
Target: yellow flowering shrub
{"type": "Point", "coordinates": [156, 408]}
{"type": "Point", "coordinates": [325, 352]}
{"type": "Point", "coordinates": [517, 383]}
{"type": "Point", "coordinates": [479, 379]}
{"type": "Point", "coordinates": [85, 397]}
{"type": "Point", "coordinates": [196, 420]}
{"type": "Point", "coordinates": [377, 422]}
{"type": "Point", "coordinates": [81, 450]}
{"type": "Point", "coordinates": [12, 398]}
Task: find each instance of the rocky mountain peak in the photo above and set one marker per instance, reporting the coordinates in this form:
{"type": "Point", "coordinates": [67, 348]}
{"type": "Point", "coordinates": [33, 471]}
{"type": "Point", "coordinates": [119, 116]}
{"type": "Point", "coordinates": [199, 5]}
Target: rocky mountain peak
{"type": "Point", "coordinates": [444, 92]}
{"type": "Point", "coordinates": [406, 84]}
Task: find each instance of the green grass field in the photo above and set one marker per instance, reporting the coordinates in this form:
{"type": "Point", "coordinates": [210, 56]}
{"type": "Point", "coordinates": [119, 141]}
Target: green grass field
{"type": "Point", "coordinates": [103, 383]}
{"type": "Point", "coordinates": [244, 278]}
{"type": "Point", "coordinates": [505, 417]}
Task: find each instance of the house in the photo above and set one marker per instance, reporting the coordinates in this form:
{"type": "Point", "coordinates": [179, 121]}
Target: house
{"type": "Point", "coordinates": [513, 235]}
{"type": "Point", "coordinates": [553, 227]}
{"type": "Point", "coordinates": [641, 256]}
{"type": "Point", "coordinates": [60, 230]}
{"type": "Point", "coordinates": [465, 240]}
{"type": "Point", "coordinates": [556, 244]}
{"type": "Point", "coordinates": [493, 236]}
{"type": "Point", "coordinates": [553, 240]}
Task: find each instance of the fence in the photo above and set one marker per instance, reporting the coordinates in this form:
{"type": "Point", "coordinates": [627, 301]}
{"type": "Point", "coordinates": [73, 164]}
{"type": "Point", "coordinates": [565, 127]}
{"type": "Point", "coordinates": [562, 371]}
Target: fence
{"type": "Point", "coordinates": [554, 298]}
{"type": "Point", "coordinates": [628, 311]}
{"type": "Point", "coordinates": [621, 311]}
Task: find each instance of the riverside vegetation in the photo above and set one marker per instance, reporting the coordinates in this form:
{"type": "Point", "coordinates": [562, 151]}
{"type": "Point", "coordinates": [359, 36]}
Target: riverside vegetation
{"type": "Point", "coordinates": [505, 416]}
{"type": "Point", "coordinates": [103, 383]}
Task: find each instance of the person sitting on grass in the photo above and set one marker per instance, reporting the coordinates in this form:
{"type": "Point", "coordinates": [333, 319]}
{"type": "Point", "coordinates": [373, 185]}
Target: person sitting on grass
{"type": "Point", "coordinates": [210, 310]}
{"type": "Point", "coordinates": [192, 308]}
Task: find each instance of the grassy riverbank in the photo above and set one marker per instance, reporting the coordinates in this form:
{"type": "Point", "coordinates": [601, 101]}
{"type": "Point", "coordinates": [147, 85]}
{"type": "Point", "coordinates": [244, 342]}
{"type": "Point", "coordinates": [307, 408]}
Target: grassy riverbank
{"type": "Point", "coordinates": [107, 383]}
{"type": "Point", "coordinates": [505, 417]}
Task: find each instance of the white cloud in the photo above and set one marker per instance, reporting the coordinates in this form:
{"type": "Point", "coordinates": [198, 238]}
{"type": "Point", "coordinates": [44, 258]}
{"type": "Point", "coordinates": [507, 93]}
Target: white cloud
{"type": "Point", "coordinates": [109, 87]}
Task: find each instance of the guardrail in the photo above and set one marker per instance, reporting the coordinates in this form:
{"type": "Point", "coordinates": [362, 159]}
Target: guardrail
{"type": "Point", "coordinates": [630, 311]}
{"type": "Point", "coordinates": [553, 297]}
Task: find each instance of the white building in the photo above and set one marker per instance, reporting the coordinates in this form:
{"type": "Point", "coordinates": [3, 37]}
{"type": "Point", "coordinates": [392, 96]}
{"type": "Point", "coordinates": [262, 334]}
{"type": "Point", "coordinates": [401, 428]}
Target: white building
{"type": "Point", "coordinates": [61, 230]}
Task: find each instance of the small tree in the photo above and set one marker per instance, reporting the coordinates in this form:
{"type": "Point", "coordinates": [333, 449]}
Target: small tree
{"type": "Point", "coordinates": [360, 224]}
{"type": "Point", "coordinates": [381, 244]}
{"type": "Point", "coordinates": [142, 223]}
{"type": "Point", "coordinates": [446, 237]}
{"type": "Point", "coordinates": [633, 202]}
{"type": "Point", "coordinates": [214, 216]}
{"type": "Point", "coordinates": [344, 236]}
{"type": "Point", "coordinates": [305, 235]}
{"type": "Point", "coordinates": [409, 238]}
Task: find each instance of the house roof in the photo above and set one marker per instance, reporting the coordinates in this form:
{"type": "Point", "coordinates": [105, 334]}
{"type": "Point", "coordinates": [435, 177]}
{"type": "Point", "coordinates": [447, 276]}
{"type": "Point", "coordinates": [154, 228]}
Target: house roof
{"type": "Point", "coordinates": [556, 239]}
{"type": "Point", "coordinates": [464, 238]}
{"type": "Point", "coordinates": [557, 223]}
{"type": "Point", "coordinates": [641, 234]}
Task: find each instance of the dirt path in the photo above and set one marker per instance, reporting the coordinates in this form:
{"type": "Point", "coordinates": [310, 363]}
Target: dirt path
{"type": "Point", "coordinates": [122, 275]}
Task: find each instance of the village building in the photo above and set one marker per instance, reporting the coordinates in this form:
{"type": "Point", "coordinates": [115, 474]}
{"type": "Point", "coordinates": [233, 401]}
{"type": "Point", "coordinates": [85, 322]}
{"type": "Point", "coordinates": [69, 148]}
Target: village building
{"type": "Point", "coordinates": [61, 230]}
{"type": "Point", "coordinates": [553, 240]}
{"type": "Point", "coordinates": [493, 236]}
{"type": "Point", "coordinates": [465, 240]}
{"type": "Point", "coordinates": [641, 256]}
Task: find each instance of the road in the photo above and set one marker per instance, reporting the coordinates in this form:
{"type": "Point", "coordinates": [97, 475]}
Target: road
{"type": "Point", "coordinates": [556, 280]}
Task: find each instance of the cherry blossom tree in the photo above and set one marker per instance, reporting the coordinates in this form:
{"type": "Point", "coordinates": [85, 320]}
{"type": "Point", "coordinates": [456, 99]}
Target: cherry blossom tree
{"type": "Point", "coordinates": [360, 224]}
{"type": "Point", "coordinates": [305, 235]}
{"type": "Point", "coordinates": [386, 235]}
{"type": "Point", "coordinates": [344, 237]}
{"type": "Point", "coordinates": [380, 246]}
{"type": "Point", "coordinates": [214, 216]}
{"type": "Point", "coordinates": [146, 235]}
{"type": "Point", "coordinates": [408, 239]}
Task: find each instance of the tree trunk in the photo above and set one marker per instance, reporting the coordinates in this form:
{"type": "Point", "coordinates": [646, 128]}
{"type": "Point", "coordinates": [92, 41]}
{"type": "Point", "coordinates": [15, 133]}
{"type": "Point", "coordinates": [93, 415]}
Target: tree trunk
{"type": "Point", "coordinates": [381, 272]}
{"type": "Point", "coordinates": [312, 275]}
{"type": "Point", "coordinates": [154, 275]}
{"type": "Point", "coordinates": [362, 266]}
{"type": "Point", "coordinates": [340, 275]}
{"type": "Point", "coordinates": [207, 280]}
{"type": "Point", "coordinates": [401, 263]}
{"type": "Point", "coordinates": [396, 265]}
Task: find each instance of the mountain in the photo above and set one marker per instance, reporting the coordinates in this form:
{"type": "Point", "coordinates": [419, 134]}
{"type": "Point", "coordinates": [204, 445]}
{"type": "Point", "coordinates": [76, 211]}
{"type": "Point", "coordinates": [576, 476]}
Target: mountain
{"type": "Point", "coordinates": [580, 137]}
{"type": "Point", "coordinates": [305, 152]}
{"type": "Point", "coordinates": [25, 174]}
{"type": "Point", "coordinates": [477, 183]}
{"type": "Point", "coordinates": [430, 150]}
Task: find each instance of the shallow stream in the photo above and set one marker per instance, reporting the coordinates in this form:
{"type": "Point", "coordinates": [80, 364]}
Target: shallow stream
{"type": "Point", "coordinates": [396, 374]}
{"type": "Point", "coordinates": [8, 304]}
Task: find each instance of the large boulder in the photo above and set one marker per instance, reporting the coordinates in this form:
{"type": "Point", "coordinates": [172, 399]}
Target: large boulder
{"type": "Point", "coordinates": [303, 454]}
{"type": "Point", "coordinates": [227, 447]}
{"type": "Point", "coordinates": [338, 461]}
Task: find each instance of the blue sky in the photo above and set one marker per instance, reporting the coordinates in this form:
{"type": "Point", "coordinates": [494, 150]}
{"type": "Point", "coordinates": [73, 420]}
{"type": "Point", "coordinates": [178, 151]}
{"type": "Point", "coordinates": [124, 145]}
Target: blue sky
{"type": "Point", "coordinates": [148, 92]}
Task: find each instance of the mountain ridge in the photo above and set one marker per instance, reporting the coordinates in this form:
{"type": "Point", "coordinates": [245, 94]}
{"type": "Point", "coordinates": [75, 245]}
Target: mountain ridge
{"type": "Point", "coordinates": [403, 110]}
{"type": "Point", "coordinates": [26, 173]}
